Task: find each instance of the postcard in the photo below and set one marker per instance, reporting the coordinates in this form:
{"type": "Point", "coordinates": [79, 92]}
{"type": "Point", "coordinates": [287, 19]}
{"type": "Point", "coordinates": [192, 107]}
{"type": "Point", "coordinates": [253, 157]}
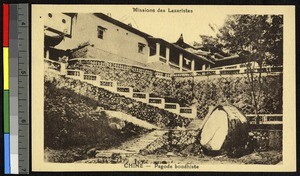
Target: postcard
{"type": "Point", "coordinates": [163, 88]}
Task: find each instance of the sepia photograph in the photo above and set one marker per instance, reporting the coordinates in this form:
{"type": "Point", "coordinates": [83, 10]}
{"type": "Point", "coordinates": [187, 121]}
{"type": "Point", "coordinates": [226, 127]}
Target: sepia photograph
{"type": "Point", "coordinates": [163, 88]}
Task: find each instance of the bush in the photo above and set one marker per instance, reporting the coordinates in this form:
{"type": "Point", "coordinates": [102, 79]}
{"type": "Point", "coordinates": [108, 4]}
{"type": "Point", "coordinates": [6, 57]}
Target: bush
{"type": "Point", "coordinates": [68, 122]}
{"type": "Point", "coordinates": [208, 91]}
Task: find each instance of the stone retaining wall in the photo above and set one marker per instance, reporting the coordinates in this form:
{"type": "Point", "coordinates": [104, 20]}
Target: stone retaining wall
{"type": "Point", "coordinates": [187, 142]}
{"type": "Point", "coordinates": [113, 101]}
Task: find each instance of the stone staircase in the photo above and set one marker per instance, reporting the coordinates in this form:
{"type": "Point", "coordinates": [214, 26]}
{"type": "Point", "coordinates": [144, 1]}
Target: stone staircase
{"type": "Point", "coordinates": [79, 86]}
{"type": "Point", "coordinates": [112, 86]}
{"type": "Point", "coordinates": [135, 145]}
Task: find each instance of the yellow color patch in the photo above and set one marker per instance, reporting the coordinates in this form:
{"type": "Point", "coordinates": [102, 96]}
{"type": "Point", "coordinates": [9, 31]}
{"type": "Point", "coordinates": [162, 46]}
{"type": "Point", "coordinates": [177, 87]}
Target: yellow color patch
{"type": "Point", "coordinates": [5, 69]}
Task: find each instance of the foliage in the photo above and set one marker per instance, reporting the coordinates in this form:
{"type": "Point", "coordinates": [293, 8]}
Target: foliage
{"type": "Point", "coordinates": [211, 44]}
{"type": "Point", "coordinates": [235, 90]}
{"type": "Point", "coordinates": [69, 122]}
{"type": "Point", "coordinates": [254, 37]}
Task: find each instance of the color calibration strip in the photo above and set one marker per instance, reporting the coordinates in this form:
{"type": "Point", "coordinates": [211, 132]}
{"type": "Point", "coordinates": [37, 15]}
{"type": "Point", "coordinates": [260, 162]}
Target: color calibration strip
{"type": "Point", "coordinates": [23, 88]}
{"type": "Point", "coordinates": [13, 87]}
{"type": "Point", "coordinates": [7, 169]}
{"type": "Point", "coordinates": [16, 88]}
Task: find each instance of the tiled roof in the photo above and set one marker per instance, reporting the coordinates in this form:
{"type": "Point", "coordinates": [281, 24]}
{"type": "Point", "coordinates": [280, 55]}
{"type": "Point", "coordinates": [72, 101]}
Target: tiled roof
{"type": "Point", "coordinates": [122, 25]}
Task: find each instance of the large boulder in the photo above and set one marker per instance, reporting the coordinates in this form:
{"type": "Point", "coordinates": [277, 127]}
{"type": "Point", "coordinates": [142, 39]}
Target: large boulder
{"type": "Point", "coordinates": [224, 129]}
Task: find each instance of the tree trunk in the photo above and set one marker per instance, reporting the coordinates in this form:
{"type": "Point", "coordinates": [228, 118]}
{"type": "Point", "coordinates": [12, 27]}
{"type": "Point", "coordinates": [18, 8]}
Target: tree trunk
{"type": "Point", "coordinates": [254, 98]}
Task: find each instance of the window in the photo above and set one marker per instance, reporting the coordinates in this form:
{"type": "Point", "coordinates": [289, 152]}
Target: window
{"type": "Point", "coordinates": [162, 50]}
{"type": "Point", "coordinates": [141, 47]}
{"type": "Point", "coordinates": [101, 31]}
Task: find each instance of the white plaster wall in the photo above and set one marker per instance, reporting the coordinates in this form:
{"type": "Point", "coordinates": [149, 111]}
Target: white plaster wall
{"type": "Point", "coordinates": [55, 21]}
{"type": "Point", "coordinates": [116, 40]}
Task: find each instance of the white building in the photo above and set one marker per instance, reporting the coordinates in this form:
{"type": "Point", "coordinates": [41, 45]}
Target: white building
{"type": "Point", "coordinates": [113, 40]}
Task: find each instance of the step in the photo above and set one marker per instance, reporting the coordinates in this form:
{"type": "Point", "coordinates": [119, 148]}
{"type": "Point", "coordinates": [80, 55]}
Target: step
{"type": "Point", "coordinates": [136, 99]}
{"type": "Point", "coordinates": [135, 145]}
{"type": "Point", "coordinates": [142, 142]}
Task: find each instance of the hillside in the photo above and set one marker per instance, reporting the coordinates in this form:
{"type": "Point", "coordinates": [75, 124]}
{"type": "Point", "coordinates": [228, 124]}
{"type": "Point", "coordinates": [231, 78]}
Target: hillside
{"type": "Point", "coordinates": [69, 122]}
{"type": "Point", "coordinates": [208, 90]}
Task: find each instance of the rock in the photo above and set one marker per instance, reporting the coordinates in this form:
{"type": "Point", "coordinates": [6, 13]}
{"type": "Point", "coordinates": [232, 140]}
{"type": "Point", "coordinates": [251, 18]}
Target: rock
{"type": "Point", "coordinates": [170, 154]}
{"type": "Point", "coordinates": [91, 153]}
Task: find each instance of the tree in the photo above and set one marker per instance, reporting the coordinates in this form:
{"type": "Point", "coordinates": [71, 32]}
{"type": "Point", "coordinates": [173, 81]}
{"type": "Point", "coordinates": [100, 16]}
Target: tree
{"type": "Point", "coordinates": [210, 44]}
{"type": "Point", "coordinates": [256, 38]}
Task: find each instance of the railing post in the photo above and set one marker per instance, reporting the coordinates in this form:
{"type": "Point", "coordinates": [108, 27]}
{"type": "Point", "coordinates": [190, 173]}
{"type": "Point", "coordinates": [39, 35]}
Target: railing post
{"type": "Point", "coordinates": [194, 111]}
{"type": "Point", "coordinates": [81, 75]}
{"type": "Point", "coordinates": [63, 67]}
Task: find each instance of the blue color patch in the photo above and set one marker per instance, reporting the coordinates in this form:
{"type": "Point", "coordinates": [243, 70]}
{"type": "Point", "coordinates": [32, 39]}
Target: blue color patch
{"type": "Point", "coordinates": [6, 154]}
